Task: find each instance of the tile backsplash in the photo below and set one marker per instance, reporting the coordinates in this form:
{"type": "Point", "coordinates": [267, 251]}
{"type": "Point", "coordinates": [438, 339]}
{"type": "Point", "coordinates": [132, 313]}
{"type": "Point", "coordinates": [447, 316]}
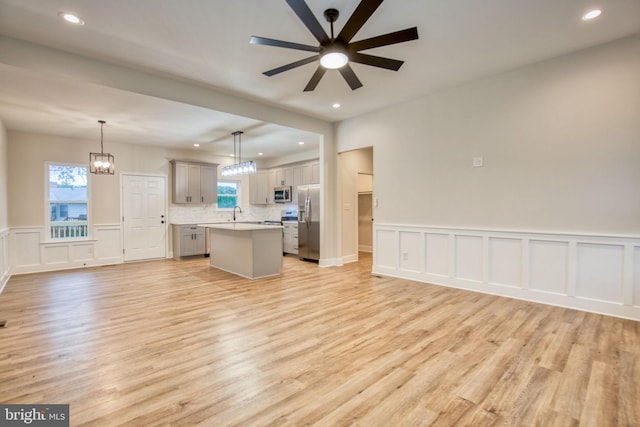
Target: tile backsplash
{"type": "Point", "coordinates": [179, 214]}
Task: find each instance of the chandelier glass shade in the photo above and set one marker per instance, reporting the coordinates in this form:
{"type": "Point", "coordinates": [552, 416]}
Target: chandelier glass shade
{"type": "Point", "coordinates": [238, 167]}
{"type": "Point", "coordinates": [101, 163]}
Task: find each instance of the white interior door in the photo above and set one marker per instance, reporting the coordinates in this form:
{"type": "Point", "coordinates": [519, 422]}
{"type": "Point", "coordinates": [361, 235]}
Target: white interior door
{"type": "Point", "coordinates": [144, 217]}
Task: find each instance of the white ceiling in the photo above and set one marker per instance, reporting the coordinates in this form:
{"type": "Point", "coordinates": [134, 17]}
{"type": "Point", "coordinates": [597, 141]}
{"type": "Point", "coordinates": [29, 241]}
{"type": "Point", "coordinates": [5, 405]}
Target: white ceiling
{"type": "Point", "coordinates": [207, 42]}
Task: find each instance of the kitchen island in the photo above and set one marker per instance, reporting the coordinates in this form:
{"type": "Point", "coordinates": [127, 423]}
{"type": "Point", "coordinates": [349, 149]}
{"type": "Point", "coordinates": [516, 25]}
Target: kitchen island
{"type": "Point", "coordinates": [248, 250]}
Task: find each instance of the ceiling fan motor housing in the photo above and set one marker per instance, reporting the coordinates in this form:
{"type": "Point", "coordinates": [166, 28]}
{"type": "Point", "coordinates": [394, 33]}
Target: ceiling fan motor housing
{"type": "Point", "coordinates": [336, 52]}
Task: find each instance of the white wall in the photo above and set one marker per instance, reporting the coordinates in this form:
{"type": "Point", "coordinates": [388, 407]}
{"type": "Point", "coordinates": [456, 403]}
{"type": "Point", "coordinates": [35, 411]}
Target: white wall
{"type": "Point", "coordinates": [4, 224]}
{"type": "Point", "coordinates": [560, 144]}
{"type": "Point", "coordinates": [559, 141]}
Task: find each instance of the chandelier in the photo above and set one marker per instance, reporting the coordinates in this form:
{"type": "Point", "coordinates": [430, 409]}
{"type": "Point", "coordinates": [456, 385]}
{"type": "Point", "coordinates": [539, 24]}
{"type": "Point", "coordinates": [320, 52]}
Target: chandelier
{"type": "Point", "coordinates": [101, 163]}
{"type": "Point", "coordinates": [238, 167]}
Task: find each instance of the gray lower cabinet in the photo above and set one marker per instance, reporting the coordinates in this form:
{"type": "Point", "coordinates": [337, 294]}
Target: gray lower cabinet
{"type": "Point", "coordinates": [188, 240]}
{"type": "Point", "coordinates": [290, 243]}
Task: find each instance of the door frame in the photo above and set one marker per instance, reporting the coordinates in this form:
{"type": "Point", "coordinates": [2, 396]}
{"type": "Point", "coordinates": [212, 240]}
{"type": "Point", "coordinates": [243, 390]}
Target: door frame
{"type": "Point", "coordinates": [167, 253]}
{"type": "Point", "coordinates": [357, 225]}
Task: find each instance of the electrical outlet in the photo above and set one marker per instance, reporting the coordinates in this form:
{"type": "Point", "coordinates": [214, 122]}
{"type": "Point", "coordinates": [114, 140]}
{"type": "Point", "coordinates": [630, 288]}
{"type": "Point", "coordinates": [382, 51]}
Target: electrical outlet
{"type": "Point", "coordinates": [478, 162]}
{"type": "Point", "coordinates": [405, 256]}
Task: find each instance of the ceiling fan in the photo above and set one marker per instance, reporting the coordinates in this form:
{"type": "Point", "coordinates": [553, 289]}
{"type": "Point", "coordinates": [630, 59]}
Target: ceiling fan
{"type": "Point", "coordinates": [337, 52]}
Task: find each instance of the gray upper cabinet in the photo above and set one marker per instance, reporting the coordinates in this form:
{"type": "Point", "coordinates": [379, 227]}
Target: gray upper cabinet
{"type": "Point", "coordinates": [259, 186]}
{"type": "Point", "coordinates": [194, 183]}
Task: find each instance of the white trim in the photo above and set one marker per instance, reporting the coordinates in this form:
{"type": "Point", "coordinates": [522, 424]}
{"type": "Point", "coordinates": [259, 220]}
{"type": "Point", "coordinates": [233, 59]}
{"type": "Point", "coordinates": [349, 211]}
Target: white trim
{"type": "Point", "coordinates": [330, 262]}
{"type": "Point", "coordinates": [346, 259]}
{"type": "Point", "coordinates": [4, 258]}
{"type": "Point", "coordinates": [589, 272]}
{"type": "Point", "coordinates": [47, 201]}
{"type": "Point", "coordinates": [30, 253]}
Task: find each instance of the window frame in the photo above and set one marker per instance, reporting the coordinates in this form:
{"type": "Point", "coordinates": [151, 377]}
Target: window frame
{"type": "Point", "coordinates": [237, 182]}
{"type": "Point", "coordinates": [47, 204]}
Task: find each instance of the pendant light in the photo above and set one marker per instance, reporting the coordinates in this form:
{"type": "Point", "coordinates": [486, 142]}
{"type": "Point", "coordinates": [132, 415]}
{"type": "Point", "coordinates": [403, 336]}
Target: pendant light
{"type": "Point", "coordinates": [101, 163]}
{"type": "Point", "coordinates": [238, 167]}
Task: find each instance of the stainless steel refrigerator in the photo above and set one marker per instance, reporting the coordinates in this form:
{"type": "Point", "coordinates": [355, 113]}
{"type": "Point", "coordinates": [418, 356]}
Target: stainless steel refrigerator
{"type": "Point", "coordinates": [309, 221]}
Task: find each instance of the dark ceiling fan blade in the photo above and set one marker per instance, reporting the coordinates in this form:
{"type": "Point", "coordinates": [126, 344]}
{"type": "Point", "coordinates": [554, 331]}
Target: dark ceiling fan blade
{"type": "Point", "coordinates": [315, 79]}
{"type": "Point", "coordinates": [279, 43]}
{"type": "Point", "coordinates": [309, 20]}
{"type": "Point", "coordinates": [385, 39]}
{"type": "Point", "coordinates": [291, 66]}
{"type": "Point", "coordinates": [350, 77]}
{"type": "Point", "coordinates": [362, 13]}
{"type": "Point", "coordinates": [376, 61]}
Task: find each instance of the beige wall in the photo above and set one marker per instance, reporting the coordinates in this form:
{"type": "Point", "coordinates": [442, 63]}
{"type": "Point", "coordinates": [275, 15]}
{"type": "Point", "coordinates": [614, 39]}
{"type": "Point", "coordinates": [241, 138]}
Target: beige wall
{"type": "Point", "coordinates": [351, 163]}
{"type": "Point", "coordinates": [4, 222]}
{"type": "Point", "coordinates": [559, 139]}
{"type": "Point", "coordinates": [28, 153]}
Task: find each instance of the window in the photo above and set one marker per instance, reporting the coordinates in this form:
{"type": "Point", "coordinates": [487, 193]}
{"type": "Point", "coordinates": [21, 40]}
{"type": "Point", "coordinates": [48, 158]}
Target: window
{"type": "Point", "coordinates": [228, 194]}
{"type": "Point", "coordinates": [67, 198]}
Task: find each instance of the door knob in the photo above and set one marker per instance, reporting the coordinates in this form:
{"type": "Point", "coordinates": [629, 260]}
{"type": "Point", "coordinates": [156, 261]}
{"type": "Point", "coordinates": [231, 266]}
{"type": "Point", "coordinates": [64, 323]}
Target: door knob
{"type": "Point", "coordinates": [162, 222]}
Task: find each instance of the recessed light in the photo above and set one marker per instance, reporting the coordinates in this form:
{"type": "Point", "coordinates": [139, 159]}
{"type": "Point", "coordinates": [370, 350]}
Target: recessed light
{"type": "Point", "coordinates": [71, 18]}
{"type": "Point", "coordinates": [336, 105]}
{"type": "Point", "coordinates": [301, 143]}
{"type": "Point", "coordinates": [196, 145]}
{"type": "Point", "coordinates": [260, 154]}
{"type": "Point", "coordinates": [591, 14]}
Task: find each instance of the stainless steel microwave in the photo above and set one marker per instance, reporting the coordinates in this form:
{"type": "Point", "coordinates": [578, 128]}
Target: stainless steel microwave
{"type": "Point", "coordinates": [282, 194]}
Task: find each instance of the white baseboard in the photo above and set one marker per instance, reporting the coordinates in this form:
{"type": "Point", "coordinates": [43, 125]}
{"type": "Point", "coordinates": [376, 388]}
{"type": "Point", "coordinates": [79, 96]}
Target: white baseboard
{"type": "Point", "coordinates": [330, 262]}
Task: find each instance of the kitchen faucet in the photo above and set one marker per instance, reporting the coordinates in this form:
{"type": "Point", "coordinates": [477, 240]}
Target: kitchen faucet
{"type": "Point", "coordinates": [234, 211]}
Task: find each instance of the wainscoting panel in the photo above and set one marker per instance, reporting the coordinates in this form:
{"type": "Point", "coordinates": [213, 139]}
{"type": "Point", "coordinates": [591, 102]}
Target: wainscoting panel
{"type": "Point", "coordinates": [386, 252]}
{"type": "Point", "coordinates": [29, 253]}
{"type": "Point", "coordinates": [548, 263]}
{"type": "Point", "coordinates": [437, 248]}
{"type": "Point", "coordinates": [469, 259]}
{"type": "Point", "coordinates": [56, 255]}
{"type": "Point", "coordinates": [24, 249]}
{"type": "Point", "coordinates": [505, 262]}
{"type": "Point", "coordinates": [636, 277]}
{"type": "Point", "coordinates": [599, 272]}
{"type": "Point", "coordinates": [108, 248]}
{"type": "Point", "coordinates": [410, 251]}
{"type": "Point", "coordinates": [4, 258]}
{"type": "Point", "coordinates": [594, 273]}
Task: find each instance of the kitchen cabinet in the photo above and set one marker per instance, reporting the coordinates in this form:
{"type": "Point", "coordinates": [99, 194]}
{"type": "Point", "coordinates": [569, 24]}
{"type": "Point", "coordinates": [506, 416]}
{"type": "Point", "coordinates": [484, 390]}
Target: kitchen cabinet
{"type": "Point", "coordinates": [315, 173]}
{"type": "Point", "coordinates": [188, 240]}
{"type": "Point", "coordinates": [194, 183]}
{"type": "Point", "coordinates": [307, 174]}
{"type": "Point", "coordinates": [260, 188]}
{"type": "Point", "coordinates": [290, 241]}
{"type": "Point", "coordinates": [284, 177]}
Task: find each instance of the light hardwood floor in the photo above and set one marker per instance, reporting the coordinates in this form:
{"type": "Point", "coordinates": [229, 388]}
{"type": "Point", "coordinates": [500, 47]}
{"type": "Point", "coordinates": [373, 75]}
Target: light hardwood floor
{"type": "Point", "coordinates": [179, 343]}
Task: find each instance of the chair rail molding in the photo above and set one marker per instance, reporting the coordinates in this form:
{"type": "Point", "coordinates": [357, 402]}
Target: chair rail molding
{"type": "Point", "coordinates": [589, 272]}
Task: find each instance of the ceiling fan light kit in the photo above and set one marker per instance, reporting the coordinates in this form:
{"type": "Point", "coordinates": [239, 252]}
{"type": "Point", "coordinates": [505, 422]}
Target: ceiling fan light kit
{"type": "Point", "coordinates": [337, 52]}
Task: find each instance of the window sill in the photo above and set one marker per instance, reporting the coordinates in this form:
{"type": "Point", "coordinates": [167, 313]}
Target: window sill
{"type": "Point", "coordinates": [67, 241]}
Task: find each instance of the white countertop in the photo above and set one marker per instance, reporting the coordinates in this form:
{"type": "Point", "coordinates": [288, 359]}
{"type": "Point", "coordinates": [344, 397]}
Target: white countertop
{"type": "Point", "coordinates": [239, 226]}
